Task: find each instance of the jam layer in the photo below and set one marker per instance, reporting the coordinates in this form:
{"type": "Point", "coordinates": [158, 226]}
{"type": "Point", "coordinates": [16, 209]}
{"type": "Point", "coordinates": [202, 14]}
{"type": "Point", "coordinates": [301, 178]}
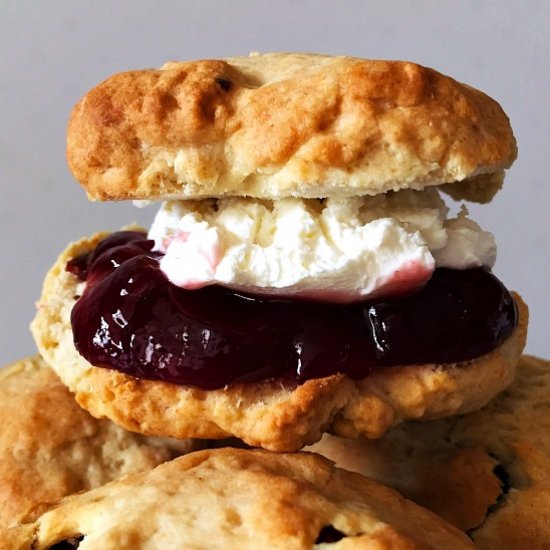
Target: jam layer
{"type": "Point", "coordinates": [132, 319]}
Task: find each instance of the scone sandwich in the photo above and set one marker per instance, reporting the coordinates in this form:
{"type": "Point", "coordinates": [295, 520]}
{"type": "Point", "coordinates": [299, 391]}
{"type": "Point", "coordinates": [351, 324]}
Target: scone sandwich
{"type": "Point", "coordinates": [304, 273]}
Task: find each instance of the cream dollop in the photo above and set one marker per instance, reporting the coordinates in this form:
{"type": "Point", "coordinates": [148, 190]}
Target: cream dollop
{"type": "Point", "coordinates": [334, 250]}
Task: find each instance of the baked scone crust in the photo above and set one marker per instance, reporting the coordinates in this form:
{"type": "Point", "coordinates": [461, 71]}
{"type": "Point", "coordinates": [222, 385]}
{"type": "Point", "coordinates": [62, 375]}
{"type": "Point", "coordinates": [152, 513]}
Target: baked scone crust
{"type": "Point", "coordinates": [487, 472]}
{"type": "Point", "coordinates": [268, 414]}
{"type": "Point", "coordinates": [51, 448]}
{"type": "Point", "coordinates": [232, 498]}
{"type": "Point", "coordinates": [280, 125]}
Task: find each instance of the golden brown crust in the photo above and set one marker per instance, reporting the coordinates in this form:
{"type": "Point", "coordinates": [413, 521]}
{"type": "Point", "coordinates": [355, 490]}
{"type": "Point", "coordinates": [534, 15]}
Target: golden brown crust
{"type": "Point", "coordinates": [277, 125]}
{"type": "Point", "coordinates": [50, 447]}
{"type": "Point", "coordinates": [229, 498]}
{"type": "Point", "coordinates": [264, 414]}
{"type": "Point", "coordinates": [487, 472]}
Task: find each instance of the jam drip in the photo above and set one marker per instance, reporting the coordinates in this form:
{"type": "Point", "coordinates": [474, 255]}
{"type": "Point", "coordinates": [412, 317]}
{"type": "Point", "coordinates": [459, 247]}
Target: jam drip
{"type": "Point", "coordinates": [132, 319]}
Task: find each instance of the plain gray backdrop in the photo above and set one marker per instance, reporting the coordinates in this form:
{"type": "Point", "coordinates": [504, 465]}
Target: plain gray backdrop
{"type": "Point", "coordinates": [52, 52]}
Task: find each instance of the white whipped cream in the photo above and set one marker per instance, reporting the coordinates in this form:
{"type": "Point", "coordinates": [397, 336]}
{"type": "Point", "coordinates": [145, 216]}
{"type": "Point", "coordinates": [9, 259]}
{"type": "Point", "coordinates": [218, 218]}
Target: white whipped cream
{"type": "Point", "coordinates": [335, 250]}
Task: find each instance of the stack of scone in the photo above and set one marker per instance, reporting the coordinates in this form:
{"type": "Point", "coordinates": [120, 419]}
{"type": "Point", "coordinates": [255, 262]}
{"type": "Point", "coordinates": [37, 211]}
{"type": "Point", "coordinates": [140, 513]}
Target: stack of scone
{"type": "Point", "coordinates": [307, 273]}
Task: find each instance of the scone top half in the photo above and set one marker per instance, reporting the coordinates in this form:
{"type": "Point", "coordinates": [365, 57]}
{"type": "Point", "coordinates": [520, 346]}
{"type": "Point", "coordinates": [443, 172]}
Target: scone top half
{"type": "Point", "coordinates": [303, 245]}
{"type": "Point", "coordinates": [284, 125]}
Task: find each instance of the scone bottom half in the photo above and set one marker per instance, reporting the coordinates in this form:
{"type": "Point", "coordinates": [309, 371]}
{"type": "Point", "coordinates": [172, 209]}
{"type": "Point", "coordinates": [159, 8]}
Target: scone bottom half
{"type": "Point", "coordinates": [140, 314]}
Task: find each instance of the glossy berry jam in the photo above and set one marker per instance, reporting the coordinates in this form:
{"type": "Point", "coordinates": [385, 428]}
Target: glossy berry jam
{"type": "Point", "coordinates": [132, 319]}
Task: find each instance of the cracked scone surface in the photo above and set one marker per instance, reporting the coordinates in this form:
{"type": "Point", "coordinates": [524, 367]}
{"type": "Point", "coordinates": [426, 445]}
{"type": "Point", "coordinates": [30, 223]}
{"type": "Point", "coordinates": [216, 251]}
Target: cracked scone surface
{"type": "Point", "coordinates": [280, 125]}
{"type": "Point", "coordinates": [266, 414]}
{"type": "Point", "coordinates": [232, 498]}
{"type": "Point", "coordinates": [50, 447]}
{"type": "Point", "coordinates": [487, 472]}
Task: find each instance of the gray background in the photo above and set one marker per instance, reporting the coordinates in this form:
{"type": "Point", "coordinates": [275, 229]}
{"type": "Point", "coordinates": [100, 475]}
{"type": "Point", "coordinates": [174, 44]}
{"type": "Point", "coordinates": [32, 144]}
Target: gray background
{"type": "Point", "coordinates": [53, 52]}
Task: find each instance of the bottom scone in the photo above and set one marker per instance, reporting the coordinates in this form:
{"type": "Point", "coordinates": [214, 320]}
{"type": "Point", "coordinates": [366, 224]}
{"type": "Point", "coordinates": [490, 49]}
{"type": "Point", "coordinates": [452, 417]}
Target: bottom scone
{"type": "Point", "coordinates": [234, 498]}
{"type": "Point", "coordinates": [268, 413]}
{"type": "Point", "coordinates": [50, 447]}
{"type": "Point", "coordinates": [487, 472]}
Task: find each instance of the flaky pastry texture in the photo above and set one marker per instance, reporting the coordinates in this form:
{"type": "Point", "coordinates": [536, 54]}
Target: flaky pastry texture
{"type": "Point", "coordinates": [266, 414]}
{"type": "Point", "coordinates": [50, 447]}
{"type": "Point", "coordinates": [284, 125]}
{"type": "Point", "coordinates": [487, 472]}
{"type": "Point", "coordinates": [234, 498]}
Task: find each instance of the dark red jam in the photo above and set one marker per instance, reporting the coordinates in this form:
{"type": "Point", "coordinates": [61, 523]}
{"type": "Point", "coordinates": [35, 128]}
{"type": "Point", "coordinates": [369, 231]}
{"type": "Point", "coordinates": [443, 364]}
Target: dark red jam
{"type": "Point", "coordinates": [132, 319]}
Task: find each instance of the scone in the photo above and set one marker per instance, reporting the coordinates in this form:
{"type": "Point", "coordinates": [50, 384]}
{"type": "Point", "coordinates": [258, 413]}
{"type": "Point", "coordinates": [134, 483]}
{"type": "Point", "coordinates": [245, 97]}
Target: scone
{"type": "Point", "coordinates": [487, 472]}
{"type": "Point", "coordinates": [306, 274]}
{"type": "Point", "coordinates": [51, 448]}
{"type": "Point", "coordinates": [230, 498]}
